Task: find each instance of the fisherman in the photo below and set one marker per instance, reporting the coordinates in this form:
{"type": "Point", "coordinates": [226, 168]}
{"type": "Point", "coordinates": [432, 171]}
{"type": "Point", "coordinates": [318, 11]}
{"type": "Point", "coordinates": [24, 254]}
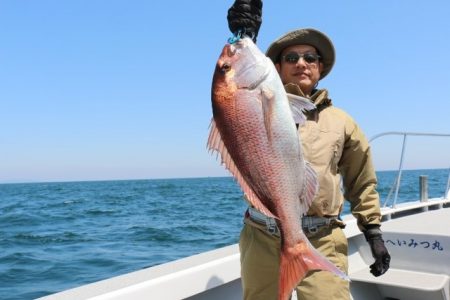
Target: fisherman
{"type": "Point", "coordinates": [338, 151]}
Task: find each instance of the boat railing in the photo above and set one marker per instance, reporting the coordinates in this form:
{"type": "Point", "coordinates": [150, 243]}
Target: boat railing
{"type": "Point", "coordinates": [447, 189]}
{"type": "Point", "coordinates": [396, 185]}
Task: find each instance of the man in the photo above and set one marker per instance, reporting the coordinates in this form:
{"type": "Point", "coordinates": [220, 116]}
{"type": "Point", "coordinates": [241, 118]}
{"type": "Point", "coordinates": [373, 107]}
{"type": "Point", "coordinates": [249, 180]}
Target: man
{"type": "Point", "coordinates": [336, 148]}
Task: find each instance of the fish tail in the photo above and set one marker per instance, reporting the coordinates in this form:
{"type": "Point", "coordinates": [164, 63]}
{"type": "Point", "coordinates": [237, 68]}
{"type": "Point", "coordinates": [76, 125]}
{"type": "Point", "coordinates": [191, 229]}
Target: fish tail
{"type": "Point", "coordinates": [296, 261]}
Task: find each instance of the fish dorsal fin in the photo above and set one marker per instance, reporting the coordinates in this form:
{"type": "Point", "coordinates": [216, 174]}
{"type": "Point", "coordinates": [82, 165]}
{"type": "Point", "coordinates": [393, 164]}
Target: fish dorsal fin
{"type": "Point", "coordinates": [215, 144]}
{"type": "Point", "coordinates": [298, 106]}
{"type": "Point", "coordinates": [310, 189]}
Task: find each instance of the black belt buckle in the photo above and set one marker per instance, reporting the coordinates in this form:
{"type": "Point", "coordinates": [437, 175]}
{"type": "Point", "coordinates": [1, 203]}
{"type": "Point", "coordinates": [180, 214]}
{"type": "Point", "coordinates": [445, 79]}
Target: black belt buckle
{"type": "Point", "coordinates": [271, 226]}
{"type": "Point", "coordinates": [313, 229]}
{"type": "Point", "coordinates": [313, 225]}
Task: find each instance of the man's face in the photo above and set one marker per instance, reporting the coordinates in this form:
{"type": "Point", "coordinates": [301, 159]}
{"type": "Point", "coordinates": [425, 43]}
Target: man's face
{"type": "Point", "coordinates": [303, 73]}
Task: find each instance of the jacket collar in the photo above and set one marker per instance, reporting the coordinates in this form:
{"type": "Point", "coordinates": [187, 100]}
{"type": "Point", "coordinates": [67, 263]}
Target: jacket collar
{"type": "Point", "coordinates": [319, 97]}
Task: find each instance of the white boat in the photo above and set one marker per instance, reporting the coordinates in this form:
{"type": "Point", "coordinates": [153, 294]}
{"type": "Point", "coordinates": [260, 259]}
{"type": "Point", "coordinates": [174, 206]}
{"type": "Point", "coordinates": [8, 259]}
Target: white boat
{"type": "Point", "coordinates": [417, 235]}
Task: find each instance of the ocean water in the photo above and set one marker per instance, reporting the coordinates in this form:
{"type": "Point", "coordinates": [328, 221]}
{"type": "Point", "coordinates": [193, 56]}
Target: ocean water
{"type": "Point", "coordinates": [56, 236]}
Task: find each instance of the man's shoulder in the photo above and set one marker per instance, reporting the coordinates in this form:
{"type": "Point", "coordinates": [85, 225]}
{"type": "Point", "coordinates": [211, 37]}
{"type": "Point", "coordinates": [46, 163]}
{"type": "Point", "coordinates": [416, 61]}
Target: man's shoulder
{"type": "Point", "coordinates": [339, 112]}
{"type": "Point", "coordinates": [338, 115]}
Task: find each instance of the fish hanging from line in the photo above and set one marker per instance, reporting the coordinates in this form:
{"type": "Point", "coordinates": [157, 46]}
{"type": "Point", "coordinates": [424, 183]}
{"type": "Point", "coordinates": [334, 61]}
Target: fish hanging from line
{"type": "Point", "coordinates": [254, 131]}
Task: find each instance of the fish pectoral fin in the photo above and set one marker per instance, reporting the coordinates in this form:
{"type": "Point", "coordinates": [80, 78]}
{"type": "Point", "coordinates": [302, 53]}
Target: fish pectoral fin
{"type": "Point", "coordinates": [310, 189]}
{"type": "Point", "coordinates": [267, 101]}
{"type": "Point", "coordinates": [298, 106]}
{"type": "Point", "coordinates": [216, 144]}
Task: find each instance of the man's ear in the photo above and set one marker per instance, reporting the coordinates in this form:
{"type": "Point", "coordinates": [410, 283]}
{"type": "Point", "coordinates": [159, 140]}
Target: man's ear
{"type": "Point", "coordinates": [278, 67]}
{"type": "Point", "coordinates": [320, 68]}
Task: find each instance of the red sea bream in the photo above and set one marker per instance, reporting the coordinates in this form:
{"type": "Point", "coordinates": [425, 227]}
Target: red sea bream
{"type": "Point", "coordinates": [254, 130]}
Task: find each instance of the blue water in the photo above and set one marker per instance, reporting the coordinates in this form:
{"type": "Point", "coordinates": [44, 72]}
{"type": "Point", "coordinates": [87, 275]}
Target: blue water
{"type": "Point", "coordinates": [55, 236]}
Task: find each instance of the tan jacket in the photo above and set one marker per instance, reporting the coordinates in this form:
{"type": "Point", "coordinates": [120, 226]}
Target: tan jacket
{"type": "Point", "coordinates": [336, 148]}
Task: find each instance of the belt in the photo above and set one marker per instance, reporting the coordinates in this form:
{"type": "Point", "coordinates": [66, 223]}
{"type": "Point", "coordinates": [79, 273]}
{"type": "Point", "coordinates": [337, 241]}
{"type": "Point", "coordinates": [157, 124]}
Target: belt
{"type": "Point", "coordinates": [310, 224]}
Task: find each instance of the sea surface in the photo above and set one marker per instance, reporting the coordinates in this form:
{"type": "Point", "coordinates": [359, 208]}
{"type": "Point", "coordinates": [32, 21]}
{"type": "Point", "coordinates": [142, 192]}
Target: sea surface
{"type": "Point", "coordinates": [56, 236]}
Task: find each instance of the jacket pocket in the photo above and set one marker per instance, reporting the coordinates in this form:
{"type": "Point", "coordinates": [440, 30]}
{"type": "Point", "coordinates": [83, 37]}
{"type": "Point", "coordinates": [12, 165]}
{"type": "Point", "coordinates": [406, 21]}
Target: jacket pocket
{"type": "Point", "coordinates": [332, 142]}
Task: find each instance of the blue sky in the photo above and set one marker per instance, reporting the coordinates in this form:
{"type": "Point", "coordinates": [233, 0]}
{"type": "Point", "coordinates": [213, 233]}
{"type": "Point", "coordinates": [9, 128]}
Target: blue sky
{"type": "Point", "coordinates": [99, 90]}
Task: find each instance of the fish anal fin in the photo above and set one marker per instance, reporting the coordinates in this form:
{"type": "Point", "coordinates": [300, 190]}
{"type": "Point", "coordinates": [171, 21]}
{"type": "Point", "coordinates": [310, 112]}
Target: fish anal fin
{"type": "Point", "coordinates": [216, 144]}
{"type": "Point", "coordinates": [296, 261]}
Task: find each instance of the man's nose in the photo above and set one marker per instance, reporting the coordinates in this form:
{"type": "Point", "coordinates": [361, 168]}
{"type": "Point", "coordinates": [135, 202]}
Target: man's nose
{"type": "Point", "coordinates": [301, 62]}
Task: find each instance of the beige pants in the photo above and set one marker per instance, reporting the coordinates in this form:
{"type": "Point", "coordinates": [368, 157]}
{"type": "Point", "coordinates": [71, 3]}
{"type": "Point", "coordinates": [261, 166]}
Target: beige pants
{"type": "Point", "coordinates": [260, 253]}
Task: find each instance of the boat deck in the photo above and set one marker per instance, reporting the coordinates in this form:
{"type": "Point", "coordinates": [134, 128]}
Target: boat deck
{"type": "Point", "coordinates": [417, 236]}
{"type": "Point", "coordinates": [419, 244]}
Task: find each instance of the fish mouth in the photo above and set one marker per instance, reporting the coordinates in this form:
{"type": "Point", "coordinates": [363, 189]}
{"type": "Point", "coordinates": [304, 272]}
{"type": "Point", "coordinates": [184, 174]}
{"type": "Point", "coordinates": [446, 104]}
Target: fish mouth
{"type": "Point", "coordinates": [231, 50]}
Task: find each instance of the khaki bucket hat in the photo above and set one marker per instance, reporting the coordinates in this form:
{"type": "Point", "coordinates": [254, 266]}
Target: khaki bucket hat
{"type": "Point", "coordinates": [305, 36]}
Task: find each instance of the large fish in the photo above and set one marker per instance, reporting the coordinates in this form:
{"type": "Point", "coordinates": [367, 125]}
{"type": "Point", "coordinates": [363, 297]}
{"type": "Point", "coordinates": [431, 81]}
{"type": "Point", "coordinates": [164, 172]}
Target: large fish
{"type": "Point", "coordinates": [254, 130]}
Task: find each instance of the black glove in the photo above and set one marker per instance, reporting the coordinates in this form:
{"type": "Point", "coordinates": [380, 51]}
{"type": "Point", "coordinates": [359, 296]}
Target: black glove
{"type": "Point", "coordinates": [245, 16]}
{"type": "Point", "coordinates": [379, 251]}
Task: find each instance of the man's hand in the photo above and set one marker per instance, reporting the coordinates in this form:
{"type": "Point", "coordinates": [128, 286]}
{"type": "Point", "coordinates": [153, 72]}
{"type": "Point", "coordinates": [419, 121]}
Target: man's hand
{"type": "Point", "coordinates": [245, 16]}
{"type": "Point", "coordinates": [379, 251]}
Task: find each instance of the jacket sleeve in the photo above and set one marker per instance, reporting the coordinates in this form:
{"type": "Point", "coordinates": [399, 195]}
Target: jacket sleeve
{"type": "Point", "coordinates": [359, 178]}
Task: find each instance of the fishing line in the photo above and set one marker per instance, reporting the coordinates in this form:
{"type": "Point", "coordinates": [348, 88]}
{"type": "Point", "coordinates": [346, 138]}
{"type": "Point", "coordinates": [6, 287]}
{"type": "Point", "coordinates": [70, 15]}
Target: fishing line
{"type": "Point", "coordinates": [240, 34]}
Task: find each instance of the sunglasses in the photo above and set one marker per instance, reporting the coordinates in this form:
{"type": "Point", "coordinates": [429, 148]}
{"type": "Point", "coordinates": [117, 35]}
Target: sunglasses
{"type": "Point", "coordinates": [294, 57]}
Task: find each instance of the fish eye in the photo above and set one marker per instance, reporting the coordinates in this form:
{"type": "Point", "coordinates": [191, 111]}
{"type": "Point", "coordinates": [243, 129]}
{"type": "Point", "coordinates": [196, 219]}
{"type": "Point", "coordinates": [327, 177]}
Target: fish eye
{"type": "Point", "coordinates": [226, 67]}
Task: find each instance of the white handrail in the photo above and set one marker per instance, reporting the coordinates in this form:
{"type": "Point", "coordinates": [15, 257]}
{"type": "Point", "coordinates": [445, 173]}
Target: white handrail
{"type": "Point", "coordinates": [396, 184]}
{"type": "Point", "coordinates": [447, 189]}
{"type": "Point", "coordinates": [407, 133]}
